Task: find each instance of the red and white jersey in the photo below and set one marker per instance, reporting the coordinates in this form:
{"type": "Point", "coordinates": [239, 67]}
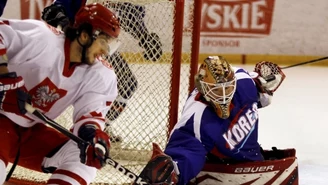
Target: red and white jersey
{"type": "Point", "coordinates": [40, 54]}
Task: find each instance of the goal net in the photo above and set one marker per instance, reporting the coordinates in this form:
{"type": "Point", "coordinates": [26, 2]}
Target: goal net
{"type": "Point", "coordinates": [154, 106]}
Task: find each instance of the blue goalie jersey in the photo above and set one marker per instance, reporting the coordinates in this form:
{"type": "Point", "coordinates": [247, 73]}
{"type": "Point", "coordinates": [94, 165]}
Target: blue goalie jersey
{"type": "Point", "coordinates": [200, 130]}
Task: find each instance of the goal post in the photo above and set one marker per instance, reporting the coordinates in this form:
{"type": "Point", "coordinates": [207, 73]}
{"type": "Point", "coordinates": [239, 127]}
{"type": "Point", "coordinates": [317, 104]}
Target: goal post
{"type": "Point", "coordinates": [163, 85]}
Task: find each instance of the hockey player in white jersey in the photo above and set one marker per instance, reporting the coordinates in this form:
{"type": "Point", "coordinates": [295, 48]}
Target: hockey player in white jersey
{"type": "Point", "coordinates": [53, 70]}
{"type": "Point", "coordinates": [131, 16]}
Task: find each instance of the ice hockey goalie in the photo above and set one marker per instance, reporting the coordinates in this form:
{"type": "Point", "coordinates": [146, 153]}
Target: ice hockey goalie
{"type": "Point", "coordinates": [215, 141]}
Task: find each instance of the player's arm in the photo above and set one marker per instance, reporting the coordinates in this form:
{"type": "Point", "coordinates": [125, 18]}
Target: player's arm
{"type": "Point", "coordinates": [188, 153]}
{"type": "Point", "coordinates": [89, 117]}
{"type": "Point", "coordinates": [13, 93]}
{"type": "Point", "coordinates": [89, 126]}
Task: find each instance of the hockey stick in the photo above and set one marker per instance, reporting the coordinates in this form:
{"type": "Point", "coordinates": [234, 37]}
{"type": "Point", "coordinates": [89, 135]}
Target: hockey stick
{"type": "Point", "coordinates": [82, 143]}
{"type": "Point", "coordinates": [307, 62]}
{"type": "Point", "coordinates": [272, 77]}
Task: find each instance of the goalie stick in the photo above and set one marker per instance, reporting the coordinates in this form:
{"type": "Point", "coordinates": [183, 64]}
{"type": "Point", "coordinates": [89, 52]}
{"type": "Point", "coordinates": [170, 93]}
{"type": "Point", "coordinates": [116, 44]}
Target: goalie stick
{"type": "Point", "coordinates": [82, 143]}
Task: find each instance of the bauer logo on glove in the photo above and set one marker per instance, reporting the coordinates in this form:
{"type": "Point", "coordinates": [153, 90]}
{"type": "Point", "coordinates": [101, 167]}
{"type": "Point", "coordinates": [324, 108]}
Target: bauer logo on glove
{"type": "Point", "coordinates": [13, 94]}
{"type": "Point", "coordinates": [7, 87]}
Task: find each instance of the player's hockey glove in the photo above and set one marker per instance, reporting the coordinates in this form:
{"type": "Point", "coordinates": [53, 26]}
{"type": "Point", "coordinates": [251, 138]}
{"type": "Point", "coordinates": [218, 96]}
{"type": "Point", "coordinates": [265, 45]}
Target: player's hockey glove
{"type": "Point", "coordinates": [152, 45]}
{"type": "Point", "coordinates": [13, 94]}
{"type": "Point", "coordinates": [55, 15]}
{"type": "Point", "coordinates": [160, 170]}
{"type": "Point", "coordinates": [94, 154]}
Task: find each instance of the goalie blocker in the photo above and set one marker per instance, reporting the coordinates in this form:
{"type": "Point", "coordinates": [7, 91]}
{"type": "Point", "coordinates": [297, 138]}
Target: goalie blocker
{"type": "Point", "coordinates": [280, 167]}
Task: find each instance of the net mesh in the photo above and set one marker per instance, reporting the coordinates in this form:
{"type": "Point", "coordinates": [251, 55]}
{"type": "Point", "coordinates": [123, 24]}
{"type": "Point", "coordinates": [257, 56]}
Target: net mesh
{"type": "Point", "coordinates": [144, 85]}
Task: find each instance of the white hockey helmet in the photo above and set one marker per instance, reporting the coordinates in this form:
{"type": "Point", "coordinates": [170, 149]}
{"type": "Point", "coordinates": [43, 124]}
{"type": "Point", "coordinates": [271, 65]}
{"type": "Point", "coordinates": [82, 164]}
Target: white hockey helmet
{"type": "Point", "coordinates": [216, 81]}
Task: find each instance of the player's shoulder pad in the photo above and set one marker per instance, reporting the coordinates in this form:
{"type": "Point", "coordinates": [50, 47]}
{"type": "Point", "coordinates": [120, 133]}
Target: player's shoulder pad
{"type": "Point", "coordinates": [241, 73]}
{"type": "Point", "coordinates": [278, 168]}
{"type": "Point", "coordinates": [103, 69]}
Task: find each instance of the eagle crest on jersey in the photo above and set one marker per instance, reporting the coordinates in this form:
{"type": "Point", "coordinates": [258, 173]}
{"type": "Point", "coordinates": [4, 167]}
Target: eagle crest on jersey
{"type": "Point", "coordinates": [46, 94]}
{"type": "Point", "coordinates": [216, 81]}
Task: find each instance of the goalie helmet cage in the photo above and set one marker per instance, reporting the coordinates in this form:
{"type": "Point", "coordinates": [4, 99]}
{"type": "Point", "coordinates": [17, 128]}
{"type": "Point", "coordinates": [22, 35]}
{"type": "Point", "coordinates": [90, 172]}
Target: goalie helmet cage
{"type": "Point", "coordinates": [163, 85]}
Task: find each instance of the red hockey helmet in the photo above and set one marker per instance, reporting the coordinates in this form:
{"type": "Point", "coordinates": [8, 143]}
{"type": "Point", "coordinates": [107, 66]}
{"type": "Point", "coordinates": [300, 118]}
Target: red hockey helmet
{"type": "Point", "coordinates": [101, 19]}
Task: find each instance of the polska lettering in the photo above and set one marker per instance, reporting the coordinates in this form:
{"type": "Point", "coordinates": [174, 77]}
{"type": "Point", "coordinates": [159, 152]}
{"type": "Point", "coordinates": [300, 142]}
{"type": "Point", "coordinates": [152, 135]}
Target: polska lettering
{"type": "Point", "coordinates": [132, 176]}
{"type": "Point", "coordinates": [254, 169]}
{"type": "Point", "coordinates": [8, 87]}
{"type": "Point", "coordinates": [242, 128]}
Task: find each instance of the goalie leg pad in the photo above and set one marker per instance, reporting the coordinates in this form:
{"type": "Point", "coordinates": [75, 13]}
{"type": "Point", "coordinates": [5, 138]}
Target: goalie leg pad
{"type": "Point", "coordinates": [280, 167]}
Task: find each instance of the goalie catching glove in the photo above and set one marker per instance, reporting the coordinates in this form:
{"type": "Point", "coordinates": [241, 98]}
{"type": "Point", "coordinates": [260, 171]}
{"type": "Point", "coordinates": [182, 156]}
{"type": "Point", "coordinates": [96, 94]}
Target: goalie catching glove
{"type": "Point", "coordinates": [160, 170]}
{"type": "Point", "coordinates": [13, 94]}
{"type": "Point", "coordinates": [267, 76]}
{"type": "Point", "coordinates": [95, 153]}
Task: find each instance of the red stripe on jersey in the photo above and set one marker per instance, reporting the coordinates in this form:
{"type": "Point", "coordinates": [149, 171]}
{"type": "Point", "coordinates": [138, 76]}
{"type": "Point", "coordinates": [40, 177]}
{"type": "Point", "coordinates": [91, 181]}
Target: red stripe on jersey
{"type": "Point", "coordinates": [3, 51]}
{"type": "Point", "coordinates": [4, 22]}
{"type": "Point", "coordinates": [108, 103]}
{"type": "Point", "coordinates": [68, 68]}
{"type": "Point", "coordinates": [234, 121]}
{"type": "Point", "coordinates": [69, 174]}
{"type": "Point", "coordinates": [215, 151]}
{"type": "Point", "coordinates": [26, 117]}
{"type": "Point", "coordinates": [94, 115]}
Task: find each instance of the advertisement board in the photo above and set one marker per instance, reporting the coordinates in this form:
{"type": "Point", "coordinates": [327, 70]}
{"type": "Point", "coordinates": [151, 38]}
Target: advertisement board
{"type": "Point", "coordinates": [244, 31]}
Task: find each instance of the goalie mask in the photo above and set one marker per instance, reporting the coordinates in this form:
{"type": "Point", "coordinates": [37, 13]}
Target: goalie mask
{"type": "Point", "coordinates": [216, 81]}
